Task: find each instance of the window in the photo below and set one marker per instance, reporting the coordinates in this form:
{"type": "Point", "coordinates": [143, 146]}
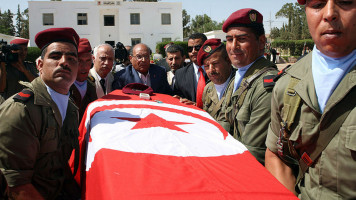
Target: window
{"type": "Point", "coordinates": [135, 41]}
{"type": "Point", "coordinates": [112, 43]}
{"type": "Point", "coordinates": [109, 20]}
{"type": "Point", "coordinates": [166, 18]}
{"type": "Point", "coordinates": [47, 19]}
{"type": "Point", "coordinates": [135, 18]}
{"type": "Point", "coordinates": [166, 39]}
{"type": "Point", "coordinates": [82, 19]}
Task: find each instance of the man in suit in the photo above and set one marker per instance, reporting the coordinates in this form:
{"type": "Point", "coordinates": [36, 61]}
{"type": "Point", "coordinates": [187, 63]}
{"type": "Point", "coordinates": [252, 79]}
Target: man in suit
{"type": "Point", "coordinates": [187, 78]}
{"type": "Point", "coordinates": [82, 91]}
{"type": "Point", "coordinates": [103, 62]}
{"type": "Point", "coordinates": [175, 59]}
{"type": "Point", "coordinates": [141, 71]}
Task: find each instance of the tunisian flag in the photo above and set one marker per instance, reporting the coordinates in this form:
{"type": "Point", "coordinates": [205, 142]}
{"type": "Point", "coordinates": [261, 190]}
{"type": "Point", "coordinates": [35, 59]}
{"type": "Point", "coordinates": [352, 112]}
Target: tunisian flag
{"type": "Point", "coordinates": [160, 149]}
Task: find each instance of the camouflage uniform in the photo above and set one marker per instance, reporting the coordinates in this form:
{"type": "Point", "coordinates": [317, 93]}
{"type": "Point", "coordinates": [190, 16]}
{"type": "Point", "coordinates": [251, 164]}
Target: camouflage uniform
{"type": "Point", "coordinates": [211, 100]}
{"type": "Point", "coordinates": [34, 146]}
{"type": "Point", "coordinates": [332, 174]}
{"type": "Point", "coordinates": [89, 97]}
{"type": "Point", "coordinates": [250, 124]}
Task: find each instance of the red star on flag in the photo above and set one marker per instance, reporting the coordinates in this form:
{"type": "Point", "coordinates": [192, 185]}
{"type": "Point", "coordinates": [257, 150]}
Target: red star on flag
{"type": "Point", "coordinates": [153, 120]}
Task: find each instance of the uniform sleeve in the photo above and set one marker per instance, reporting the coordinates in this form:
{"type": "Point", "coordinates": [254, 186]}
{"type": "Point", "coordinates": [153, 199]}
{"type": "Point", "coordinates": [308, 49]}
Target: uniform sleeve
{"type": "Point", "coordinates": [274, 126]}
{"type": "Point", "coordinates": [18, 143]}
{"type": "Point", "coordinates": [257, 115]}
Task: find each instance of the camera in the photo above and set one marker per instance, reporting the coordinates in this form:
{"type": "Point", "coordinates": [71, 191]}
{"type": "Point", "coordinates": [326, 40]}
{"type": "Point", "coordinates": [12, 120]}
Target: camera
{"type": "Point", "coordinates": [121, 53]}
{"type": "Point", "coordinates": [6, 52]}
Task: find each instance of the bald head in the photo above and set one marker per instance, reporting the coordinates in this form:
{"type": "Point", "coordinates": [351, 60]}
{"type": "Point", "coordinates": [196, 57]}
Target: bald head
{"type": "Point", "coordinates": [140, 58]}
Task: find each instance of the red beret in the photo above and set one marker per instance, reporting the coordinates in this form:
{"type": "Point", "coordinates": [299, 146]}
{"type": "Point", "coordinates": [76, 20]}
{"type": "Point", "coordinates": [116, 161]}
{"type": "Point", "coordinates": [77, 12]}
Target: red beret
{"type": "Point", "coordinates": [137, 88]}
{"type": "Point", "coordinates": [301, 2]}
{"type": "Point", "coordinates": [20, 41]}
{"type": "Point", "coordinates": [208, 48]}
{"type": "Point", "coordinates": [84, 46]}
{"type": "Point", "coordinates": [246, 17]}
{"type": "Point", "coordinates": [46, 37]}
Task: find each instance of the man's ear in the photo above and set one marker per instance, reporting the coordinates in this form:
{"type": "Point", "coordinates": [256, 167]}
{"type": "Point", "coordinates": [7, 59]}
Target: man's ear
{"type": "Point", "coordinates": [262, 41]}
{"type": "Point", "coordinates": [40, 65]}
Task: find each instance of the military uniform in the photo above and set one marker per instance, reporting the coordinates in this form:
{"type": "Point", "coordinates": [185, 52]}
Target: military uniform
{"type": "Point", "coordinates": [332, 174]}
{"type": "Point", "coordinates": [13, 76]}
{"type": "Point", "coordinates": [34, 146]}
{"type": "Point", "coordinates": [89, 97]}
{"type": "Point", "coordinates": [249, 123]}
{"type": "Point", "coordinates": [212, 104]}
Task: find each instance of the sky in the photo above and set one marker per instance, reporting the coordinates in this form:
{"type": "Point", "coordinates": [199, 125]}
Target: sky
{"type": "Point", "coordinates": [218, 10]}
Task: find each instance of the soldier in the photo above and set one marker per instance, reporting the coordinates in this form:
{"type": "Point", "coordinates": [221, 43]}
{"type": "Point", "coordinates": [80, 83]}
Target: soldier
{"type": "Point", "coordinates": [213, 56]}
{"type": "Point", "coordinates": [39, 125]}
{"type": "Point", "coordinates": [83, 91]}
{"type": "Point", "coordinates": [16, 71]}
{"type": "Point", "coordinates": [313, 109]}
{"type": "Point", "coordinates": [248, 98]}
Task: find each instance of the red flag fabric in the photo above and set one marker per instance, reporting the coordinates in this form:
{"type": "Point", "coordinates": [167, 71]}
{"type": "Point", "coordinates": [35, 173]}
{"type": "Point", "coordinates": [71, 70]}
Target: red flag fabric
{"type": "Point", "coordinates": [162, 149]}
{"type": "Point", "coordinates": [200, 88]}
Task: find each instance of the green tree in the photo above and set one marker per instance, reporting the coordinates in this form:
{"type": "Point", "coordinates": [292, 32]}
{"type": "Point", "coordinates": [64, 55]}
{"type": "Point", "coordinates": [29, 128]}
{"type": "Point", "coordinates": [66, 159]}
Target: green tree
{"type": "Point", "coordinates": [25, 25]}
{"type": "Point", "coordinates": [6, 23]}
{"type": "Point", "coordinates": [275, 33]}
{"type": "Point", "coordinates": [297, 27]}
{"type": "Point", "coordinates": [19, 22]}
{"type": "Point", "coordinates": [203, 23]}
{"type": "Point", "coordinates": [186, 23]}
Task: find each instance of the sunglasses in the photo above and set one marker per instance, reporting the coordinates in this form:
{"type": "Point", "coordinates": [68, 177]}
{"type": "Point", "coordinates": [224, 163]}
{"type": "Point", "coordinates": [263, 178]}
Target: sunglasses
{"type": "Point", "coordinates": [197, 47]}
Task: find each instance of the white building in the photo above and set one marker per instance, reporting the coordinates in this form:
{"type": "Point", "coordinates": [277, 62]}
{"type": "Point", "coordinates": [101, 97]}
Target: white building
{"type": "Point", "coordinates": [216, 34]}
{"type": "Point", "coordinates": [110, 21]}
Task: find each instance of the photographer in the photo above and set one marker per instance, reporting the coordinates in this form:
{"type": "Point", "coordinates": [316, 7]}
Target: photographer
{"type": "Point", "coordinates": [15, 69]}
{"type": "Point", "coordinates": [121, 57]}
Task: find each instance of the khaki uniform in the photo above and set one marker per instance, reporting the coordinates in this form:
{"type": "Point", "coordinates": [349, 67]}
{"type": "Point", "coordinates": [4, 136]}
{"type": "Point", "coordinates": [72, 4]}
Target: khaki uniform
{"type": "Point", "coordinates": [332, 176]}
{"type": "Point", "coordinates": [250, 124]}
{"type": "Point", "coordinates": [34, 147]}
{"type": "Point", "coordinates": [211, 101]}
{"type": "Point", "coordinates": [89, 97]}
{"type": "Point", "coordinates": [13, 76]}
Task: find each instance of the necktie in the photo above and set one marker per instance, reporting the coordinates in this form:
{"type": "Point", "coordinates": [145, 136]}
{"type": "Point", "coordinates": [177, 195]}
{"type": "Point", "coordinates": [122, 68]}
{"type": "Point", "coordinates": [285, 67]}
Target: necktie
{"type": "Point", "coordinates": [102, 83]}
{"type": "Point", "coordinates": [200, 88]}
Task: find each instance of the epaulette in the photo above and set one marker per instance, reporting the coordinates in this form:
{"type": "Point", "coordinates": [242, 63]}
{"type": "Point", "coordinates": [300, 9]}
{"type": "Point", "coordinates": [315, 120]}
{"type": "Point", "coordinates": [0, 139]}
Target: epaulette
{"type": "Point", "coordinates": [280, 73]}
{"type": "Point", "coordinates": [268, 81]}
{"type": "Point", "coordinates": [24, 95]}
{"type": "Point", "coordinates": [91, 78]}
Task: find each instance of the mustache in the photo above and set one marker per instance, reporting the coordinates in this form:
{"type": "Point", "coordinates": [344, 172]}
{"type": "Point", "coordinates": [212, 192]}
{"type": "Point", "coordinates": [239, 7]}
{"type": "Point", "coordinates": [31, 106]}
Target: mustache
{"type": "Point", "coordinates": [66, 68]}
{"type": "Point", "coordinates": [213, 73]}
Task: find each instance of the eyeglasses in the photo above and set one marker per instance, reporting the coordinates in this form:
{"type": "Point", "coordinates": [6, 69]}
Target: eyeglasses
{"type": "Point", "coordinates": [139, 57]}
{"type": "Point", "coordinates": [197, 47]}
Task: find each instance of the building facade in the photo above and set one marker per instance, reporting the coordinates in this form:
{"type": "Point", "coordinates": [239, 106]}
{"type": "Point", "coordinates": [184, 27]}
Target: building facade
{"type": "Point", "coordinates": [110, 21]}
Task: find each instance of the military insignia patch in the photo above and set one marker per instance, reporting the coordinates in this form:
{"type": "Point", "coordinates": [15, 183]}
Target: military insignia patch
{"type": "Point", "coordinates": [253, 17]}
{"type": "Point", "coordinates": [207, 49]}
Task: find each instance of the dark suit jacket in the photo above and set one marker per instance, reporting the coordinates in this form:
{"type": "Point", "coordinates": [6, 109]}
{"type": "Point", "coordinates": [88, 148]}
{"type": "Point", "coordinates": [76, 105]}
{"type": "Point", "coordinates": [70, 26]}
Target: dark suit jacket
{"type": "Point", "coordinates": [185, 82]}
{"type": "Point", "coordinates": [158, 78]}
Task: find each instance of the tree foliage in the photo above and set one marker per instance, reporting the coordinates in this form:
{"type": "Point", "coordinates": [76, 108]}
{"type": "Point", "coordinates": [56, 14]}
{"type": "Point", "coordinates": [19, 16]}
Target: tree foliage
{"type": "Point", "coordinates": [21, 26]}
{"type": "Point", "coordinates": [6, 24]}
{"type": "Point", "coordinates": [297, 27]}
{"type": "Point", "coordinates": [186, 23]}
{"type": "Point", "coordinates": [203, 23]}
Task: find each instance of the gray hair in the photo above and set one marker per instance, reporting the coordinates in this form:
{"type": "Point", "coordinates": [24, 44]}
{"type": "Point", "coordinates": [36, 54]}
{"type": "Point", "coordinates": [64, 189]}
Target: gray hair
{"type": "Point", "coordinates": [102, 45]}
